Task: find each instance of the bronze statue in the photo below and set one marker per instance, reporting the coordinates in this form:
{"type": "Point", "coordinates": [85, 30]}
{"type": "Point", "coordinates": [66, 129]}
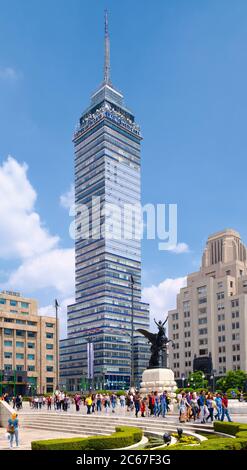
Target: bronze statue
{"type": "Point", "coordinates": [159, 343]}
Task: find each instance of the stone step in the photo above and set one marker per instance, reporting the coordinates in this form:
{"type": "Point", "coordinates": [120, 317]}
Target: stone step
{"type": "Point", "coordinates": [82, 420]}
{"type": "Point", "coordinates": [83, 432]}
{"type": "Point", "coordinates": [94, 429]}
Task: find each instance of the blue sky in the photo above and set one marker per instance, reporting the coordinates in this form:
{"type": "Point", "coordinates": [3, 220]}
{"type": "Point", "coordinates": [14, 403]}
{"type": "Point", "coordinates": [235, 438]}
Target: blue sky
{"type": "Point", "coordinates": [182, 67]}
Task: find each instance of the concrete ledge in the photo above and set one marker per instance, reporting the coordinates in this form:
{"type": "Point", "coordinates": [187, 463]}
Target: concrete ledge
{"type": "Point", "coordinates": [5, 413]}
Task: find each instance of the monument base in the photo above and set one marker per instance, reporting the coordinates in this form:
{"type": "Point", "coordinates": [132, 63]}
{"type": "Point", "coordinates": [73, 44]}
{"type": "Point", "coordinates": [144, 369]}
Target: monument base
{"type": "Point", "coordinates": [158, 380]}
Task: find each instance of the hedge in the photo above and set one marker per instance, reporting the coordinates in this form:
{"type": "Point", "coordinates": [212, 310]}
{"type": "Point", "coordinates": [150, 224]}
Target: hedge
{"type": "Point", "coordinates": [235, 429]}
{"type": "Point", "coordinates": [123, 437]}
{"type": "Point", "coordinates": [229, 428]}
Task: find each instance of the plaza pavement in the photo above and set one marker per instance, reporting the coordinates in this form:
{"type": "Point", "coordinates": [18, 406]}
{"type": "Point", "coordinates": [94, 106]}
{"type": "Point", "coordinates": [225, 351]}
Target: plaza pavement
{"type": "Point", "coordinates": [28, 435]}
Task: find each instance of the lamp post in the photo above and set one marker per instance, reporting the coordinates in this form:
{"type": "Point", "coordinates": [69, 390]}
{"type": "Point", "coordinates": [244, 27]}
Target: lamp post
{"type": "Point", "coordinates": [183, 379]}
{"type": "Point", "coordinates": [57, 370]}
{"type": "Point", "coordinates": [213, 379]}
{"type": "Point", "coordinates": [203, 377]}
{"type": "Point", "coordinates": [132, 374]}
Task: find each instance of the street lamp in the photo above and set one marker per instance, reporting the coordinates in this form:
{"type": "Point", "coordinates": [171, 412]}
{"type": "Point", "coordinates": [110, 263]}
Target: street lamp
{"type": "Point", "coordinates": [213, 379]}
{"type": "Point", "coordinates": [183, 379]}
{"type": "Point", "coordinates": [132, 376]}
{"type": "Point", "coordinates": [203, 377]}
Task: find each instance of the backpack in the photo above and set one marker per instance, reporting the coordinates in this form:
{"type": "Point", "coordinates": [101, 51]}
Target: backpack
{"type": "Point", "coordinates": [11, 428]}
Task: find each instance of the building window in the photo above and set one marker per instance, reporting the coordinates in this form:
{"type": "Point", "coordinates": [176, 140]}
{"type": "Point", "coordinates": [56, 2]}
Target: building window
{"type": "Point", "coordinates": [49, 346]}
{"type": "Point", "coordinates": [202, 290]}
{"type": "Point", "coordinates": [220, 295]}
{"type": "Point", "coordinates": [19, 368]}
{"type": "Point", "coordinates": [31, 345]}
{"type": "Point", "coordinates": [221, 317]}
{"type": "Point", "coordinates": [235, 303]}
{"type": "Point", "coordinates": [20, 344]}
{"type": "Point", "coordinates": [13, 303]}
{"type": "Point", "coordinates": [203, 341]}
{"type": "Point", "coordinates": [49, 335]}
{"type": "Point", "coordinates": [20, 333]}
{"type": "Point", "coordinates": [49, 369]}
{"type": "Point", "coordinates": [49, 325]}
{"type": "Point", "coordinates": [49, 357]}
{"type": "Point", "coordinates": [31, 357]}
{"type": "Point", "coordinates": [19, 356]}
{"type": "Point", "coordinates": [202, 310]}
{"type": "Point", "coordinates": [24, 305]}
{"type": "Point", "coordinates": [221, 328]}
{"type": "Point", "coordinates": [220, 306]}
{"type": "Point", "coordinates": [8, 343]}
{"type": "Point", "coordinates": [202, 321]}
{"type": "Point", "coordinates": [203, 352]}
{"type": "Point", "coordinates": [31, 368]}
{"type": "Point", "coordinates": [202, 300]}
{"type": "Point", "coordinates": [203, 331]}
{"type": "Point", "coordinates": [8, 355]}
{"type": "Point", "coordinates": [49, 380]}
{"type": "Point", "coordinates": [8, 332]}
{"type": "Point", "coordinates": [2, 301]}
{"type": "Point", "coordinates": [186, 306]}
{"type": "Point", "coordinates": [221, 339]}
{"type": "Point", "coordinates": [31, 334]}
{"type": "Point", "coordinates": [235, 336]}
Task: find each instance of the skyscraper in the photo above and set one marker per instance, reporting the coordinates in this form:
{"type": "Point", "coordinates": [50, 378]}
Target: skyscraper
{"type": "Point", "coordinates": [102, 339]}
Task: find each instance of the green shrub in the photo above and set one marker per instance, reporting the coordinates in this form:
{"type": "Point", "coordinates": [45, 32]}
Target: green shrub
{"type": "Point", "coordinates": [229, 428]}
{"type": "Point", "coordinates": [219, 443]}
{"type": "Point", "coordinates": [123, 437]}
{"type": "Point", "coordinates": [234, 390]}
{"type": "Point", "coordinates": [214, 444]}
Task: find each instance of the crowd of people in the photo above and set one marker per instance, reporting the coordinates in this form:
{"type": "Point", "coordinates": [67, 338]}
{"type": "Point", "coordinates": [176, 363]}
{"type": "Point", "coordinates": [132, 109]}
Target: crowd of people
{"type": "Point", "coordinates": [203, 407]}
{"type": "Point", "coordinates": [191, 406]}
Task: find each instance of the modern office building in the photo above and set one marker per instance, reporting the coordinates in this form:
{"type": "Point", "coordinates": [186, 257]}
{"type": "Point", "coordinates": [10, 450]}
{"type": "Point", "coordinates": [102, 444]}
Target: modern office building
{"type": "Point", "coordinates": [108, 271]}
{"type": "Point", "coordinates": [209, 324]}
{"type": "Point", "coordinates": [27, 347]}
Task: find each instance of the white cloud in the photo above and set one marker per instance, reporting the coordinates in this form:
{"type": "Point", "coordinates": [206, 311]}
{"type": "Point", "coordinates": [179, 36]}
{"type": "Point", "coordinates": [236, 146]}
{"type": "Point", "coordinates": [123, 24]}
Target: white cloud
{"type": "Point", "coordinates": [68, 199]}
{"type": "Point", "coordinates": [43, 265]}
{"type": "Point", "coordinates": [62, 314]}
{"type": "Point", "coordinates": [162, 297]}
{"type": "Point", "coordinates": [179, 248]}
{"type": "Point", "coordinates": [22, 234]}
{"type": "Point", "coordinates": [53, 269]}
{"type": "Point", "coordinates": [9, 73]}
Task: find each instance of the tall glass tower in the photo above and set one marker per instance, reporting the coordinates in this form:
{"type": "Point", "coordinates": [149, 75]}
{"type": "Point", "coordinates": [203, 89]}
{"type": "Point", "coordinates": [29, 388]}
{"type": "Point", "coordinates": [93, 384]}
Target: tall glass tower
{"type": "Point", "coordinates": [103, 344]}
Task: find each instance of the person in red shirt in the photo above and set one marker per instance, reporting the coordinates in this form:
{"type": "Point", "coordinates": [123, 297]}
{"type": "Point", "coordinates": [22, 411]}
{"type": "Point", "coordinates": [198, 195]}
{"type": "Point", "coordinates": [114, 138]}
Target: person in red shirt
{"type": "Point", "coordinates": [225, 411]}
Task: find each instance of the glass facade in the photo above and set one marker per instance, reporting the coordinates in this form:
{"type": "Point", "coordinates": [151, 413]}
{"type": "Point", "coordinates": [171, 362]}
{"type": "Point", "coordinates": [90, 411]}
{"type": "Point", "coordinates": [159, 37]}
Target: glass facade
{"type": "Point", "coordinates": [107, 170]}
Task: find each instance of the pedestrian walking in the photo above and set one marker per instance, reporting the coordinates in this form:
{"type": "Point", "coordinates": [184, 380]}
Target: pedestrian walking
{"type": "Point", "coordinates": [225, 411]}
{"type": "Point", "coordinates": [13, 430]}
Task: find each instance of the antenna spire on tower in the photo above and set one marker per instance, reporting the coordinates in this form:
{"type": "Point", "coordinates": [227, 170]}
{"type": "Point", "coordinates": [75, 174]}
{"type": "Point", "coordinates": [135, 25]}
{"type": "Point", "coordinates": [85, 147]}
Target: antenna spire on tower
{"type": "Point", "coordinates": [107, 51]}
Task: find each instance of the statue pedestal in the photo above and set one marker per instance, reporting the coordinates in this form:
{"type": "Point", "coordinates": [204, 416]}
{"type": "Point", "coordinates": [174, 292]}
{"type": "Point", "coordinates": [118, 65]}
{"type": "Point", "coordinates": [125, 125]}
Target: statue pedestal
{"type": "Point", "coordinates": [158, 380]}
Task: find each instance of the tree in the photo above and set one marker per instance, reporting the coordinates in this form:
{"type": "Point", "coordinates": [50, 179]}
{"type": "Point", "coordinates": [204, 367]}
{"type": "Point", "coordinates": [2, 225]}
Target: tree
{"type": "Point", "coordinates": [197, 380]}
{"type": "Point", "coordinates": [233, 379]}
